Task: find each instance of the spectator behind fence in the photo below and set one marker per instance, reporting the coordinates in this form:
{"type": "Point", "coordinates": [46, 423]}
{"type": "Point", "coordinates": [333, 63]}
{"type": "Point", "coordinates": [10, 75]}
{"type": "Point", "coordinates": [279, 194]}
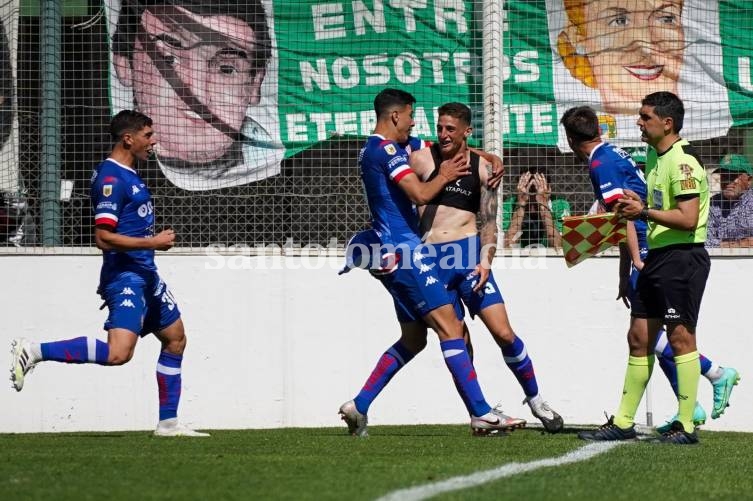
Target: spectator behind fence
{"type": "Point", "coordinates": [533, 217]}
{"type": "Point", "coordinates": [731, 210]}
{"type": "Point", "coordinates": [197, 68]}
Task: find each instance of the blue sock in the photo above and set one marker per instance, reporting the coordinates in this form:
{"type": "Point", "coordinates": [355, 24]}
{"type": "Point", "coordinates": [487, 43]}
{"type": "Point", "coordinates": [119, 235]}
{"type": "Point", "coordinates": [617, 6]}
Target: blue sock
{"type": "Point", "coordinates": [389, 363]}
{"type": "Point", "coordinates": [81, 350]}
{"type": "Point", "coordinates": [461, 368]}
{"type": "Point", "coordinates": [666, 356]}
{"type": "Point", "coordinates": [516, 358]}
{"type": "Point", "coordinates": [705, 363]}
{"type": "Point", "coordinates": [663, 351]}
{"type": "Point", "coordinates": [168, 384]}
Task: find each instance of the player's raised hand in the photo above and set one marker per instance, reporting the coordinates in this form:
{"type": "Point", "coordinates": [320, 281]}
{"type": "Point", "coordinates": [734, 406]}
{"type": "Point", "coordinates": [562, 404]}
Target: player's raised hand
{"type": "Point", "coordinates": [164, 240]}
{"type": "Point", "coordinates": [455, 168]}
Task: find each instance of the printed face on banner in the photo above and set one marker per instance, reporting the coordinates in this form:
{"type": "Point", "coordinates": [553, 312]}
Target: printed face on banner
{"type": "Point", "coordinates": [624, 48]}
{"type": "Point", "coordinates": [613, 53]}
{"type": "Point", "coordinates": [199, 74]}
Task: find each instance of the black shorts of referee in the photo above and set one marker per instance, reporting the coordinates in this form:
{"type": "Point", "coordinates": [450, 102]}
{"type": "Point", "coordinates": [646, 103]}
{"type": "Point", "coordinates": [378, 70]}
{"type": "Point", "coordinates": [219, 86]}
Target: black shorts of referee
{"type": "Point", "coordinates": [672, 282]}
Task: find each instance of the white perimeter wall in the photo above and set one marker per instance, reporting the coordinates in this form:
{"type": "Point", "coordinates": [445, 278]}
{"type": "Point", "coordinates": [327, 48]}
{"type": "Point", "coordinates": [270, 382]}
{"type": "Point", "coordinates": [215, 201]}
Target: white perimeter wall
{"type": "Point", "coordinates": [286, 346]}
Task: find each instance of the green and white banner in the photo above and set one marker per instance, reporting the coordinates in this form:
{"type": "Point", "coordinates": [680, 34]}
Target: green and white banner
{"type": "Point", "coordinates": [336, 56]}
{"type": "Point", "coordinates": [557, 54]}
{"type": "Point", "coordinates": [235, 87]}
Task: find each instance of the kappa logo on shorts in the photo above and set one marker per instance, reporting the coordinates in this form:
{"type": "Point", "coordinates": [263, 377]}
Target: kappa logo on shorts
{"type": "Point", "coordinates": [431, 281]}
{"type": "Point", "coordinates": [127, 303]}
{"type": "Point", "coordinates": [424, 268]}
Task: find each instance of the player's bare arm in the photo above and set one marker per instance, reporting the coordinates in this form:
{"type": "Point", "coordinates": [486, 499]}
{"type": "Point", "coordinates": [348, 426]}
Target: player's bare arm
{"type": "Point", "coordinates": [422, 163]}
{"type": "Point", "coordinates": [106, 239]}
{"type": "Point", "coordinates": [632, 245]}
{"type": "Point", "coordinates": [487, 219]}
{"type": "Point", "coordinates": [498, 168]}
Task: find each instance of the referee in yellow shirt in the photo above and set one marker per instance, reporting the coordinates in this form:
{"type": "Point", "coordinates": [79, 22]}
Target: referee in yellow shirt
{"type": "Point", "coordinates": [673, 279]}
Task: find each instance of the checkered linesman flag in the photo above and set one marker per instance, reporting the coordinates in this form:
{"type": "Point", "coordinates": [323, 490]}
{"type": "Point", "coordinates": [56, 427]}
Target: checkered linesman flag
{"type": "Point", "coordinates": [586, 236]}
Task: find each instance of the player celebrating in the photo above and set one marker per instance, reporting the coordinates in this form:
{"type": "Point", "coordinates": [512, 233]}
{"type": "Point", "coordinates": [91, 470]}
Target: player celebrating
{"type": "Point", "coordinates": [411, 275]}
{"type": "Point", "coordinates": [449, 222]}
{"type": "Point", "coordinates": [138, 301]}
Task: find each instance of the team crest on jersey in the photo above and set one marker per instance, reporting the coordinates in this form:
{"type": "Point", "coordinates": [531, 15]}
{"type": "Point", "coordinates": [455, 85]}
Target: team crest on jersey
{"type": "Point", "coordinates": [390, 149]}
{"type": "Point", "coordinates": [107, 190]}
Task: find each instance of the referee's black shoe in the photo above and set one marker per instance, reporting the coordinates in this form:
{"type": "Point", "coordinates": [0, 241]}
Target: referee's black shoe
{"type": "Point", "coordinates": [608, 432]}
{"type": "Point", "coordinates": [677, 435]}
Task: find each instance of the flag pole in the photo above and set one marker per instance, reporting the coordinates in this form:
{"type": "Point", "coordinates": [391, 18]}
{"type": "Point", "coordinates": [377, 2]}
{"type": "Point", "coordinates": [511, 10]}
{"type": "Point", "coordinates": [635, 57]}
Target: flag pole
{"type": "Point", "coordinates": [649, 407]}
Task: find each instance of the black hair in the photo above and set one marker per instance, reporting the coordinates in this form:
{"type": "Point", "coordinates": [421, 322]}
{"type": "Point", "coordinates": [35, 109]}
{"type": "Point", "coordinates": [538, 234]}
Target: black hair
{"type": "Point", "coordinates": [128, 121]}
{"type": "Point", "coordinates": [581, 124]}
{"type": "Point", "coordinates": [666, 105]}
{"type": "Point", "coordinates": [250, 11]}
{"type": "Point", "coordinates": [389, 98]}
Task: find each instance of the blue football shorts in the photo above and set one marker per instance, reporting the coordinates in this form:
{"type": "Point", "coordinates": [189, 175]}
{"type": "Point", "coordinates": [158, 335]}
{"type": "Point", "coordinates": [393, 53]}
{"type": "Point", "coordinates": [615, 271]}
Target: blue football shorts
{"type": "Point", "coordinates": [139, 303]}
{"type": "Point", "coordinates": [457, 262]}
{"type": "Point", "coordinates": [415, 285]}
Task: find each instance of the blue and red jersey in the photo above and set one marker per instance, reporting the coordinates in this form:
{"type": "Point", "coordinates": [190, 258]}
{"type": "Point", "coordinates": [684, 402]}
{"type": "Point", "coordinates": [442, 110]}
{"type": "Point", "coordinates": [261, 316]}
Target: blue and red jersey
{"type": "Point", "coordinates": [414, 144]}
{"type": "Point", "coordinates": [383, 164]}
{"type": "Point", "coordinates": [612, 170]}
{"type": "Point", "coordinates": [122, 202]}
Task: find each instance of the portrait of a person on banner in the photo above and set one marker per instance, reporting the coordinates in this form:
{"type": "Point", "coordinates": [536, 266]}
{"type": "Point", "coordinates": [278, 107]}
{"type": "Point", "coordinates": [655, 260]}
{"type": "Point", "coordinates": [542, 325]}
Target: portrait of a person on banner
{"type": "Point", "coordinates": [204, 71]}
{"type": "Point", "coordinates": [612, 53]}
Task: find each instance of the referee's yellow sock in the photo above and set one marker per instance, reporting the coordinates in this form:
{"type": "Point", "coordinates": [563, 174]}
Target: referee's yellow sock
{"type": "Point", "coordinates": [688, 374]}
{"type": "Point", "coordinates": [636, 378]}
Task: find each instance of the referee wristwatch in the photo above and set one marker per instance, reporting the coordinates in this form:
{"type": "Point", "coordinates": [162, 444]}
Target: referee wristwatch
{"type": "Point", "coordinates": [644, 214]}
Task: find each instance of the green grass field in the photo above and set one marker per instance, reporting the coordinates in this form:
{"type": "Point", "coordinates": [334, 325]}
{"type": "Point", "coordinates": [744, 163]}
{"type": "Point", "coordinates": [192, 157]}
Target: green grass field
{"type": "Point", "coordinates": [325, 463]}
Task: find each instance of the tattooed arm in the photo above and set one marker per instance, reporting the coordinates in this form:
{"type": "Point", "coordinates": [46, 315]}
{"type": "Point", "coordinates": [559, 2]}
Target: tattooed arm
{"type": "Point", "coordinates": [487, 220]}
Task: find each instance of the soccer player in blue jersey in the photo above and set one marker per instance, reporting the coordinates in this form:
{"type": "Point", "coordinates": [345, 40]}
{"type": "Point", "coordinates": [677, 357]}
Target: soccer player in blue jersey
{"type": "Point", "coordinates": [139, 302]}
{"type": "Point", "coordinates": [409, 272]}
{"type": "Point", "coordinates": [612, 171]}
